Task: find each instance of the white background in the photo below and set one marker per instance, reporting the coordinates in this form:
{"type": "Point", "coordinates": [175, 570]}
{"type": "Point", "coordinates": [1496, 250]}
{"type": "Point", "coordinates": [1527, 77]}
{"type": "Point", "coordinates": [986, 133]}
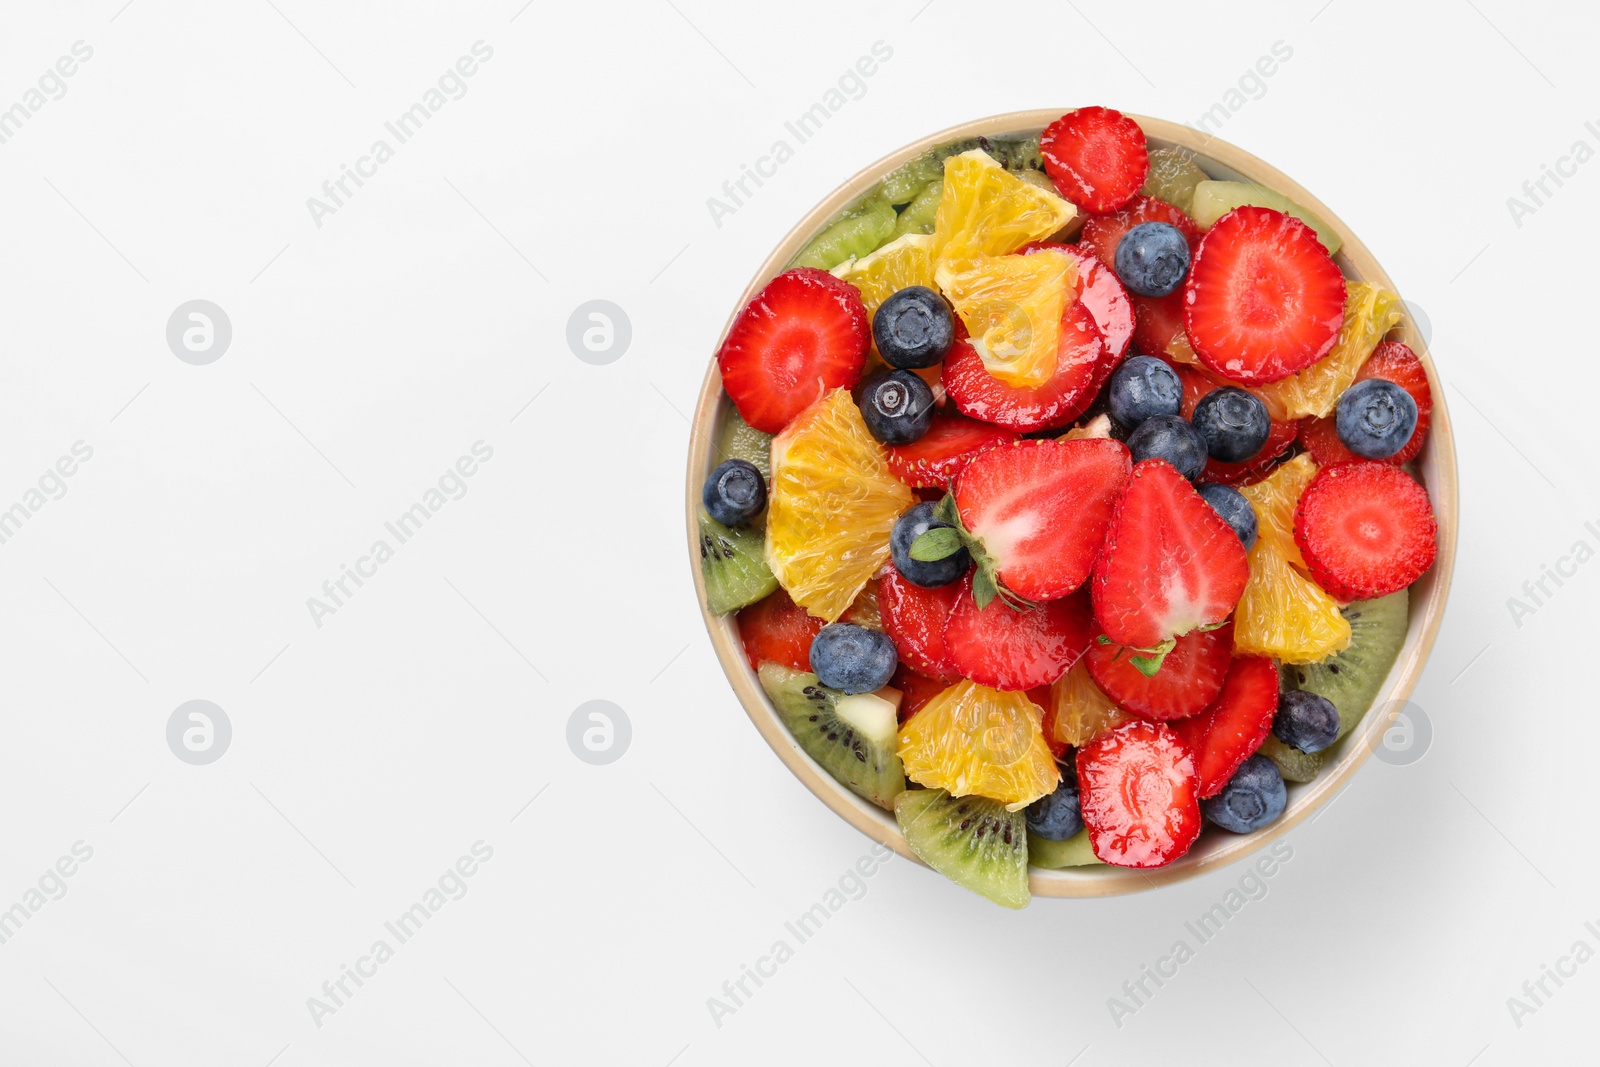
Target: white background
{"type": "Point", "coordinates": [368, 354]}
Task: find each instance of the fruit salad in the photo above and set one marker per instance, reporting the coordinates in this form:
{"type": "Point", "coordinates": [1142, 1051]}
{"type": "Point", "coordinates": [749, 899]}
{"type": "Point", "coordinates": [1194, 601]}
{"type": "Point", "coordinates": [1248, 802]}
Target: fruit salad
{"type": "Point", "coordinates": [1067, 500]}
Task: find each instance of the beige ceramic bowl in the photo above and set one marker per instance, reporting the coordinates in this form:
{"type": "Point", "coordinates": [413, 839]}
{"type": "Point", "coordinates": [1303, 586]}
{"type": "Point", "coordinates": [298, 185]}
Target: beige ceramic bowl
{"type": "Point", "coordinates": [1216, 848]}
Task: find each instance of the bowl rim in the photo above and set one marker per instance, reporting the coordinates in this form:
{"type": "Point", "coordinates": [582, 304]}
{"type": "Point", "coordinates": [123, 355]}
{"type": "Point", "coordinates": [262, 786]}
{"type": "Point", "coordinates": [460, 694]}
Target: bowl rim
{"type": "Point", "coordinates": [1426, 611]}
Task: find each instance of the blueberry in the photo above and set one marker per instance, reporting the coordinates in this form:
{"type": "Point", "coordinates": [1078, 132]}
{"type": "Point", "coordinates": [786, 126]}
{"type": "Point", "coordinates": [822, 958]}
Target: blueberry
{"type": "Point", "coordinates": [913, 328]}
{"type": "Point", "coordinates": [853, 659]}
{"type": "Point", "coordinates": [1253, 797]}
{"type": "Point", "coordinates": [1235, 510]}
{"type": "Point", "coordinates": [1375, 418]}
{"type": "Point", "coordinates": [1306, 721]}
{"type": "Point", "coordinates": [735, 492]}
{"type": "Point", "coordinates": [928, 574]}
{"type": "Point", "coordinates": [1172, 438]}
{"type": "Point", "coordinates": [898, 406]}
{"type": "Point", "coordinates": [1056, 816]}
{"type": "Point", "coordinates": [1233, 423]}
{"type": "Point", "coordinates": [1152, 259]}
{"type": "Point", "coordinates": [1142, 388]}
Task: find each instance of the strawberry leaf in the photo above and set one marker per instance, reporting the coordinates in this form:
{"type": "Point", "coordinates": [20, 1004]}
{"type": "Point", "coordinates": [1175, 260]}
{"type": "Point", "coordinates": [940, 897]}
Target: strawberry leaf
{"type": "Point", "coordinates": [1150, 662]}
{"type": "Point", "coordinates": [984, 587]}
{"type": "Point", "coordinates": [936, 544]}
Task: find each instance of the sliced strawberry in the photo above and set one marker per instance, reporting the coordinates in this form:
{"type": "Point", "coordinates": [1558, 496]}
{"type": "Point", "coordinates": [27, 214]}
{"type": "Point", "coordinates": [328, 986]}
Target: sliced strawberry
{"type": "Point", "coordinates": [1101, 291]}
{"type": "Point", "coordinates": [1080, 359]}
{"type": "Point", "coordinates": [938, 456]}
{"type": "Point", "coordinates": [1102, 233]}
{"type": "Point", "coordinates": [1366, 529]}
{"type": "Point", "coordinates": [1169, 564]}
{"type": "Point", "coordinates": [1096, 156]}
{"type": "Point", "coordinates": [916, 620]}
{"type": "Point", "coordinates": [804, 334]}
{"type": "Point", "coordinates": [915, 690]}
{"type": "Point", "coordinates": [778, 630]}
{"type": "Point", "coordinates": [1158, 322]}
{"type": "Point", "coordinates": [1229, 731]}
{"type": "Point", "coordinates": [1196, 384]}
{"type": "Point", "coordinates": [1041, 697]}
{"type": "Point", "coordinates": [1003, 648]}
{"type": "Point", "coordinates": [1038, 510]}
{"type": "Point", "coordinates": [1139, 795]}
{"type": "Point", "coordinates": [1189, 678]}
{"type": "Point", "coordinates": [1264, 299]}
{"type": "Point", "coordinates": [1393, 362]}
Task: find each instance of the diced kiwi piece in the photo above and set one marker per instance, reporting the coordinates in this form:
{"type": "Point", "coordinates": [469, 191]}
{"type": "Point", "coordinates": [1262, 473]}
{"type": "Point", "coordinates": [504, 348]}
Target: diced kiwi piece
{"type": "Point", "coordinates": [1212, 200]}
{"type": "Point", "coordinates": [860, 231]}
{"type": "Point", "coordinates": [974, 842]}
{"type": "Point", "coordinates": [1173, 176]}
{"type": "Point", "coordinates": [903, 183]}
{"type": "Point", "coordinates": [919, 215]}
{"type": "Point", "coordinates": [1352, 678]}
{"type": "Point", "coordinates": [853, 737]}
{"type": "Point", "coordinates": [1294, 765]}
{"type": "Point", "coordinates": [734, 565]}
{"type": "Point", "coordinates": [740, 440]}
{"type": "Point", "coordinates": [1075, 851]}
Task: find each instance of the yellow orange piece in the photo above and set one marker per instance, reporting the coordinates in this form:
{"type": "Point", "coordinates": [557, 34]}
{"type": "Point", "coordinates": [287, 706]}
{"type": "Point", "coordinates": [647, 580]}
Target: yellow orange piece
{"type": "Point", "coordinates": [1284, 614]}
{"type": "Point", "coordinates": [1369, 313]}
{"type": "Point", "coordinates": [831, 503]}
{"type": "Point", "coordinates": [1082, 709]}
{"type": "Point", "coordinates": [985, 210]}
{"type": "Point", "coordinates": [1274, 500]}
{"type": "Point", "coordinates": [901, 263]}
{"type": "Point", "coordinates": [973, 739]}
{"type": "Point", "coordinates": [864, 610]}
{"type": "Point", "coordinates": [1012, 307]}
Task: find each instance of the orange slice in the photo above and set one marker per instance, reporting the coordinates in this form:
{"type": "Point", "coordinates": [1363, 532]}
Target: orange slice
{"type": "Point", "coordinates": [973, 739]}
{"type": "Point", "coordinates": [1012, 308]}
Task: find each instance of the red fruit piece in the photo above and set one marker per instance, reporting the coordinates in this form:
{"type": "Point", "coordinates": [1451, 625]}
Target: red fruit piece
{"type": "Point", "coordinates": [1157, 320]}
{"type": "Point", "coordinates": [1096, 157]}
{"type": "Point", "coordinates": [915, 690]}
{"type": "Point", "coordinates": [1139, 795]}
{"type": "Point", "coordinates": [1100, 290]}
{"type": "Point", "coordinates": [1003, 648]}
{"type": "Point", "coordinates": [938, 456]}
{"type": "Point", "coordinates": [1264, 299]}
{"type": "Point", "coordinates": [1229, 731]}
{"type": "Point", "coordinates": [1080, 359]}
{"type": "Point", "coordinates": [1366, 529]}
{"type": "Point", "coordinates": [778, 630]}
{"type": "Point", "coordinates": [916, 620]}
{"type": "Point", "coordinates": [1102, 233]}
{"type": "Point", "coordinates": [1169, 564]}
{"type": "Point", "coordinates": [1039, 509]}
{"type": "Point", "coordinates": [1190, 677]}
{"type": "Point", "coordinates": [1393, 362]}
{"type": "Point", "coordinates": [806, 333]}
{"type": "Point", "coordinates": [1196, 384]}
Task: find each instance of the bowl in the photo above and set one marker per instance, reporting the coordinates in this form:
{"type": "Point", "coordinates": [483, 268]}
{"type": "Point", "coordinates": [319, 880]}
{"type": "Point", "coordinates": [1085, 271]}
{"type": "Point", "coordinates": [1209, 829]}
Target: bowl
{"type": "Point", "coordinates": [1215, 848]}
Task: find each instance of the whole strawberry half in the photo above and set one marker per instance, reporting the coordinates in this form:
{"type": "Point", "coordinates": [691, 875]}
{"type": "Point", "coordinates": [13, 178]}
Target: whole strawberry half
{"type": "Point", "coordinates": [1035, 513]}
{"type": "Point", "coordinates": [1005, 648]}
{"type": "Point", "coordinates": [1139, 795]}
{"type": "Point", "coordinates": [1264, 299]}
{"type": "Point", "coordinates": [1169, 565]}
{"type": "Point", "coordinates": [916, 620]}
{"type": "Point", "coordinates": [1228, 732]}
{"type": "Point", "coordinates": [1081, 368]}
{"type": "Point", "coordinates": [1185, 681]}
{"type": "Point", "coordinates": [1096, 157]}
{"type": "Point", "coordinates": [939, 455]}
{"type": "Point", "coordinates": [804, 334]}
{"type": "Point", "coordinates": [778, 630]}
{"type": "Point", "coordinates": [1393, 362]}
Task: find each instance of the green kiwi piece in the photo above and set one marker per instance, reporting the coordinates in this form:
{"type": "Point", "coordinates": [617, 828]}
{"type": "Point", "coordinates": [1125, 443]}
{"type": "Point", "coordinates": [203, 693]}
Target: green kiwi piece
{"type": "Point", "coordinates": [860, 231]}
{"type": "Point", "coordinates": [1075, 851]}
{"type": "Point", "coordinates": [1294, 765]}
{"type": "Point", "coordinates": [910, 178]}
{"type": "Point", "coordinates": [853, 737]}
{"type": "Point", "coordinates": [920, 214]}
{"type": "Point", "coordinates": [1173, 176]}
{"type": "Point", "coordinates": [974, 842]}
{"type": "Point", "coordinates": [734, 565]}
{"type": "Point", "coordinates": [1352, 678]}
{"type": "Point", "coordinates": [740, 440]}
{"type": "Point", "coordinates": [1212, 200]}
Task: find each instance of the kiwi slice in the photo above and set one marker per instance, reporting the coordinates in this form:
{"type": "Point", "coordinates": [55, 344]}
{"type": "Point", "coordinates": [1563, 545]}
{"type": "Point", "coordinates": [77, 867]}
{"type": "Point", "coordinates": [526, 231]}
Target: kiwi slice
{"type": "Point", "coordinates": [1294, 765]}
{"type": "Point", "coordinates": [860, 231]}
{"type": "Point", "coordinates": [1172, 177]}
{"type": "Point", "coordinates": [901, 185]}
{"type": "Point", "coordinates": [734, 566]}
{"type": "Point", "coordinates": [853, 737]}
{"type": "Point", "coordinates": [1352, 678]}
{"type": "Point", "coordinates": [920, 215]}
{"type": "Point", "coordinates": [1212, 200]}
{"type": "Point", "coordinates": [974, 842]}
{"type": "Point", "coordinates": [740, 440]}
{"type": "Point", "coordinates": [1075, 851]}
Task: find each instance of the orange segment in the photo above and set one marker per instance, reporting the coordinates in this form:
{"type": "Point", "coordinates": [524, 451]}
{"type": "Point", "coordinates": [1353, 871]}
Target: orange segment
{"type": "Point", "coordinates": [1274, 500]}
{"type": "Point", "coordinates": [1369, 312]}
{"type": "Point", "coordinates": [1012, 307]}
{"type": "Point", "coordinates": [831, 503]}
{"type": "Point", "coordinates": [1284, 614]}
{"type": "Point", "coordinates": [986, 210]}
{"type": "Point", "coordinates": [973, 739]}
{"type": "Point", "coordinates": [899, 264]}
{"type": "Point", "coordinates": [1081, 708]}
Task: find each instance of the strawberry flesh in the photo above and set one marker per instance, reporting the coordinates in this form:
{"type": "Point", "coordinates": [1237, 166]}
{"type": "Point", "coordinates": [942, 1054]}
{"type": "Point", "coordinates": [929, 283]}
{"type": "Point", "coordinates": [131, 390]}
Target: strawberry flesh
{"type": "Point", "coordinates": [1096, 157]}
{"type": "Point", "coordinates": [916, 620]}
{"type": "Point", "coordinates": [803, 335]}
{"type": "Point", "coordinates": [1081, 360]}
{"type": "Point", "coordinates": [1003, 648]}
{"type": "Point", "coordinates": [1189, 678]}
{"type": "Point", "coordinates": [915, 690]}
{"type": "Point", "coordinates": [1101, 292]}
{"type": "Point", "coordinates": [1366, 529]}
{"type": "Point", "coordinates": [1230, 731]}
{"type": "Point", "coordinates": [1139, 795]}
{"type": "Point", "coordinates": [775, 629]}
{"type": "Point", "coordinates": [1169, 565]}
{"type": "Point", "coordinates": [940, 454]}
